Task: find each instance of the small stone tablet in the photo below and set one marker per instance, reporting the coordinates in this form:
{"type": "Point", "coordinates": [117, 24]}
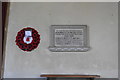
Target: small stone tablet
{"type": "Point", "coordinates": [68, 38]}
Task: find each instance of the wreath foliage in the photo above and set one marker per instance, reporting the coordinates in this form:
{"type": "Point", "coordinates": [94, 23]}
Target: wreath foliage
{"type": "Point", "coordinates": [24, 46]}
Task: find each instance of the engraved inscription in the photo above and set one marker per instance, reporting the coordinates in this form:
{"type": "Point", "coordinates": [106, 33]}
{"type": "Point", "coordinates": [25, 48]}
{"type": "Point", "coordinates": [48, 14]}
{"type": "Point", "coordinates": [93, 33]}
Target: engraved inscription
{"type": "Point", "coordinates": [69, 37]}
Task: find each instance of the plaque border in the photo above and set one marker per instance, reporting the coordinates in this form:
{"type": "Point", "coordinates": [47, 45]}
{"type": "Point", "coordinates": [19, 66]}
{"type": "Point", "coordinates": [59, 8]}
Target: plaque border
{"type": "Point", "coordinates": [54, 48]}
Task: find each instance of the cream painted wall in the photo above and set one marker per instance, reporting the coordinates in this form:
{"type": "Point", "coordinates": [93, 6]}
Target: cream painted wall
{"type": "Point", "coordinates": [102, 59]}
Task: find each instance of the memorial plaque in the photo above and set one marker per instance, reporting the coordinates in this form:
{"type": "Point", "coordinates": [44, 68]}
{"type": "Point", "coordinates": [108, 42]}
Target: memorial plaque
{"type": "Point", "coordinates": [65, 38]}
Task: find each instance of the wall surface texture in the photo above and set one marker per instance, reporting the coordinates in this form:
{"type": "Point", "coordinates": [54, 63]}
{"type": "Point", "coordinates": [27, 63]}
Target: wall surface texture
{"type": "Point", "coordinates": [102, 59]}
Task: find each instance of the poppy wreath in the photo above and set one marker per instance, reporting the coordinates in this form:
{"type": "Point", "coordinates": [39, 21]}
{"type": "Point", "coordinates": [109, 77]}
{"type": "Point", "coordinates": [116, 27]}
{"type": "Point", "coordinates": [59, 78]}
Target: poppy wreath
{"type": "Point", "coordinates": [24, 46]}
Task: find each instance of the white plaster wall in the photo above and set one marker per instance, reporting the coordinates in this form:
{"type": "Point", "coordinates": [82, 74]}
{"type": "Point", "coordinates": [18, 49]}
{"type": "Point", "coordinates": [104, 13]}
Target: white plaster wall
{"type": "Point", "coordinates": [102, 59]}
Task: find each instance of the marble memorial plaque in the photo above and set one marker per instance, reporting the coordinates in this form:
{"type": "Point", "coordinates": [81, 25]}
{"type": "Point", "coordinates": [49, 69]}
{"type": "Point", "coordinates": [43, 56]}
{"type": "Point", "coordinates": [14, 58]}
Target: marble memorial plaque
{"type": "Point", "coordinates": [68, 38]}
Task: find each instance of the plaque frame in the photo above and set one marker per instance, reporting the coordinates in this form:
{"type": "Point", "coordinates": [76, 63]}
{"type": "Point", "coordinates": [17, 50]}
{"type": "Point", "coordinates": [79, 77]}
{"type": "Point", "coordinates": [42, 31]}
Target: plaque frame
{"type": "Point", "coordinates": [64, 48]}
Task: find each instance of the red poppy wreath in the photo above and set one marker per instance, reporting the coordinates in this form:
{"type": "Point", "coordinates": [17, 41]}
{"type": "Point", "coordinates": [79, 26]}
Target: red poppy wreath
{"type": "Point", "coordinates": [27, 39]}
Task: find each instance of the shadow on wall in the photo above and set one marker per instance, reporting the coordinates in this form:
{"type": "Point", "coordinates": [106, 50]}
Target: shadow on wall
{"type": "Point", "coordinates": [118, 38]}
